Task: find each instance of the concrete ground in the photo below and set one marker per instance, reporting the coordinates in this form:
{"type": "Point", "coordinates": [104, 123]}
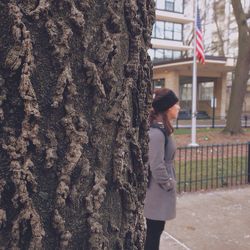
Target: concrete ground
{"type": "Point", "coordinates": [215, 220]}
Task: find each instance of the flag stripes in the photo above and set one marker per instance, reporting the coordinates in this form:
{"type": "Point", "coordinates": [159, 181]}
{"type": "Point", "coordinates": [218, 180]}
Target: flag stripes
{"type": "Point", "coordinates": [199, 40]}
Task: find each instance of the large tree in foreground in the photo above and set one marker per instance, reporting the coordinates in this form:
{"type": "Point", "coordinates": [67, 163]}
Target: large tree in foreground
{"type": "Point", "coordinates": [242, 71]}
{"type": "Point", "coordinates": [75, 90]}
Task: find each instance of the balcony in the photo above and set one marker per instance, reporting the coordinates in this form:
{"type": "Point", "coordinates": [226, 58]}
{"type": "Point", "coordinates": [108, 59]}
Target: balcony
{"type": "Point", "coordinates": [172, 17]}
{"type": "Point", "coordinates": [169, 44]}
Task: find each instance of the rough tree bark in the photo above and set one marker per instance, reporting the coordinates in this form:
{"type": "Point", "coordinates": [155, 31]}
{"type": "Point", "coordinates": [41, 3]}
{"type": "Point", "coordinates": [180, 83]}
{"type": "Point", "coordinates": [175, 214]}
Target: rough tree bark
{"type": "Point", "coordinates": [242, 71]}
{"type": "Point", "coordinates": [75, 90]}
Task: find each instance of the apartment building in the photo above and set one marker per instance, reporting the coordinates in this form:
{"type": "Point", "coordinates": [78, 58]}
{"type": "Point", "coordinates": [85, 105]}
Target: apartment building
{"type": "Point", "coordinates": [221, 35]}
{"type": "Point", "coordinates": [168, 31]}
{"type": "Point", "coordinates": [172, 51]}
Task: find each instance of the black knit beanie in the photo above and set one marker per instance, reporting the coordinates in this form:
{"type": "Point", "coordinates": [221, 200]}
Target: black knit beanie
{"type": "Point", "coordinates": [165, 102]}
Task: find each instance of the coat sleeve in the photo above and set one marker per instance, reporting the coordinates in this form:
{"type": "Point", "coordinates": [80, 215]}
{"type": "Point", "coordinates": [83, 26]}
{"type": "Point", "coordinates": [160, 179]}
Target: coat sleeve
{"type": "Point", "coordinates": [156, 157]}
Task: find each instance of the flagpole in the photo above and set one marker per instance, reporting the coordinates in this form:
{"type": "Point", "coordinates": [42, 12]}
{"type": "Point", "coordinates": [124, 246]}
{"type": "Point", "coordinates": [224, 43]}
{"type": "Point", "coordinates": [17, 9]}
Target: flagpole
{"type": "Point", "coordinates": [194, 83]}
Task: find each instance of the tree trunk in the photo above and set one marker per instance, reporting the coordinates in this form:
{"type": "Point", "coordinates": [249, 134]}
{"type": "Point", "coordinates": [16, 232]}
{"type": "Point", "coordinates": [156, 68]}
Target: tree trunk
{"type": "Point", "coordinates": [239, 85]}
{"type": "Point", "coordinates": [75, 91]}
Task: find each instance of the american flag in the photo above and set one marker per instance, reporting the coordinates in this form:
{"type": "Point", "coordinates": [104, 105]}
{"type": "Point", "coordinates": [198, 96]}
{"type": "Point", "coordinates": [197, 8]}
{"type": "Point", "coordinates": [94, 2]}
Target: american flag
{"type": "Point", "coordinates": [199, 40]}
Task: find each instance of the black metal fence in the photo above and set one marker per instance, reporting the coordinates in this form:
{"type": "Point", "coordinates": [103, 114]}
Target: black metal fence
{"type": "Point", "coordinates": [212, 166]}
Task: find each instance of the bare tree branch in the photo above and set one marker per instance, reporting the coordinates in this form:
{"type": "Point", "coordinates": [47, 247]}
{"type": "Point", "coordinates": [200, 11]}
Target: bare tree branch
{"type": "Point", "coordinates": [240, 16]}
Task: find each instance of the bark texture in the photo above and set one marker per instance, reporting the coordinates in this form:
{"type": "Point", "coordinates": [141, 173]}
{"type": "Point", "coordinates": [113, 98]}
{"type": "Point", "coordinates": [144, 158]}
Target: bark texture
{"type": "Point", "coordinates": [75, 83]}
{"type": "Point", "coordinates": [242, 71]}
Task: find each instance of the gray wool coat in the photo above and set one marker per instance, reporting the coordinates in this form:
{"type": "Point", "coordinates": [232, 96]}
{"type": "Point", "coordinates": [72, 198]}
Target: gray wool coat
{"type": "Point", "coordinates": [160, 202]}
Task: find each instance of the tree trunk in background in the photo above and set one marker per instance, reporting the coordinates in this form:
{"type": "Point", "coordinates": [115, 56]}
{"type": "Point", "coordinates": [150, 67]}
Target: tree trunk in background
{"type": "Point", "coordinates": [75, 92]}
{"type": "Point", "coordinates": [239, 85]}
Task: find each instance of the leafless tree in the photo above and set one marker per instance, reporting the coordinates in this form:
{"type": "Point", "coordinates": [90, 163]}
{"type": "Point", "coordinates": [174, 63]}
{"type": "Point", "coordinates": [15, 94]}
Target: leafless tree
{"type": "Point", "coordinates": [242, 71]}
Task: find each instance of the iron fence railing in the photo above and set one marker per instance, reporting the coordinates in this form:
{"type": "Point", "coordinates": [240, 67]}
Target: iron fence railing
{"type": "Point", "coordinates": [212, 166]}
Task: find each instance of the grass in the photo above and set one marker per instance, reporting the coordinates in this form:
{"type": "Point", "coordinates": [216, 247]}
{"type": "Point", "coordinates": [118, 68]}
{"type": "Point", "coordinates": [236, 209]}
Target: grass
{"type": "Point", "coordinates": [210, 166]}
{"type": "Point", "coordinates": [211, 173]}
{"type": "Point", "coordinates": [184, 131]}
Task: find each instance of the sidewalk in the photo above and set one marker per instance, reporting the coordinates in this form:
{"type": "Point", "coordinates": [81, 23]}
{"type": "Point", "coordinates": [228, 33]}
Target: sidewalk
{"type": "Point", "coordinates": [217, 220]}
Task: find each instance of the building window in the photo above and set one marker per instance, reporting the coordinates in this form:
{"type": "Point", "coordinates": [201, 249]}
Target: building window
{"type": "Point", "coordinates": [158, 83]}
{"type": "Point", "coordinates": [179, 6]}
{"type": "Point", "coordinates": [206, 90]}
{"type": "Point", "coordinates": [170, 5]}
{"type": "Point", "coordinates": [159, 54]}
{"type": "Point", "coordinates": [160, 4]}
{"type": "Point", "coordinates": [159, 30]}
{"type": "Point", "coordinates": [186, 92]}
{"type": "Point", "coordinates": [151, 53]}
{"type": "Point", "coordinates": [177, 54]}
{"type": "Point", "coordinates": [164, 54]}
{"type": "Point", "coordinates": [167, 30]}
{"type": "Point", "coordinates": [177, 34]}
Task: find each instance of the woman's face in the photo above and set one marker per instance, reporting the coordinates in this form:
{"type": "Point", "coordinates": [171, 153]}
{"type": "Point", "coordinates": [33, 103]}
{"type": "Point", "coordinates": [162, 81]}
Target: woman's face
{"type": "Point", "coordinates": [173, 112]}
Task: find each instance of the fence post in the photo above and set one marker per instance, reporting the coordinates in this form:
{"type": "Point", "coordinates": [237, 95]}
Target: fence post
{"type": "Point", "coordinates": [248, 160]}
{"type": "Point", "coordinates": [213, 118]}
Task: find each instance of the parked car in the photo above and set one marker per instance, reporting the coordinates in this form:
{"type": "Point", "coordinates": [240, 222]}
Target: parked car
{"type": "Point", "coordinates": [186, 115]}
{"type": "Point", "coordinates": [202, 115]}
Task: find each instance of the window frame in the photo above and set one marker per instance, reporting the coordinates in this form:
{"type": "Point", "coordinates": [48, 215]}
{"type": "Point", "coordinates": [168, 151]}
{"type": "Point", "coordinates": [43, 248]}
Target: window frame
{"type": "Point", "coordinates": [165, 31]}
{"type": "Point", "coordinates": [164, 57]}
{"type": "Point", "coordinates": [170, 2]}
{"type": "Point", "coordinates": [160, 81]}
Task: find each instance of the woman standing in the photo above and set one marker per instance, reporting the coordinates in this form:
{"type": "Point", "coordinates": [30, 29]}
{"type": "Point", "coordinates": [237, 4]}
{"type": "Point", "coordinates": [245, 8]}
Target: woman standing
{"type": "Point", "coordinates": [160, 201]}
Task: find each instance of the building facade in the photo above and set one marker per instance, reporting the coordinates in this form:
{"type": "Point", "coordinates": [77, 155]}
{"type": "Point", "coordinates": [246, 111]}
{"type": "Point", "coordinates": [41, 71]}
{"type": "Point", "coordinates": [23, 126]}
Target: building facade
{"type": "Point", "coordinates": [168, 34]}
{"type": "Point", "coordinates": [172, 51]}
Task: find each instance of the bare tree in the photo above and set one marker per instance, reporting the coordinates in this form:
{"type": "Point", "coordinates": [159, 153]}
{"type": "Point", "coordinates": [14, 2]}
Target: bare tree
{"type": "Point", "coordinates": [239, 84]}
{"type": "Point", "coordinates": [75, 89]}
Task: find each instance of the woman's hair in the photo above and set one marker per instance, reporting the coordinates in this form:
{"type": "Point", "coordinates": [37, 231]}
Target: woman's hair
{"type": "Point", "coordinates": [158, 96]}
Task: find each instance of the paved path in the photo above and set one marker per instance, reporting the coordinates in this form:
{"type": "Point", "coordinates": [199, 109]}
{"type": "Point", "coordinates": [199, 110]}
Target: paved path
{"type": "Point", "coordinates": [218, 220]}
